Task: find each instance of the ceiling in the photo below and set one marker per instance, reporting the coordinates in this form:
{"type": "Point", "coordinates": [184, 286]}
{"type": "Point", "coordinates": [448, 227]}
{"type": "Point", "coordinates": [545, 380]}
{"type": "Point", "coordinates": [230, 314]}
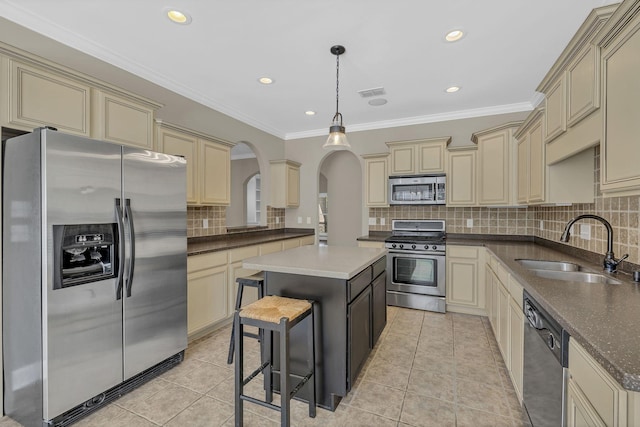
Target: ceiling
{"type": "Point", "coordinates": [217, 59]}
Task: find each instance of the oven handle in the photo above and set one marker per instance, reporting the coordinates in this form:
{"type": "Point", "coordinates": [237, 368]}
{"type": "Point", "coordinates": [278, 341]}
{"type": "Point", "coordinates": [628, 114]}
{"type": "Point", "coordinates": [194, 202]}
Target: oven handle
{"type": "Point", "coordinates": [423, 254]}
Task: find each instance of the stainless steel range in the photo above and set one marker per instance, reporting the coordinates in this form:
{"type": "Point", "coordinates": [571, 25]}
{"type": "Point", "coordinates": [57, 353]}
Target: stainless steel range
{"type": "Point", "coordinates": [416, 264]}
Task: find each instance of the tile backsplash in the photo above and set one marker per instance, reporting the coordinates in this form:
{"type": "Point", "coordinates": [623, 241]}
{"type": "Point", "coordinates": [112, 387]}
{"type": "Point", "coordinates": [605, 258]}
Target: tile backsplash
{"type": "Point", "coordinates": [216, 217]}
{"type": "Point", "coordinates": [542, 221]}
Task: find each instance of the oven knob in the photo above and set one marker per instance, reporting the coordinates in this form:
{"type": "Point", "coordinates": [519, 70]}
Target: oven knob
{"type": "Point", "coordinates": [434, 247]}
{"type": "Point", "coordinates": [426, 247]}
{"type": "Point", "coordinates": [401, 246]}
{"type": "Point", "coordinates": [393, 245]}
{"type": "Point", "coordinates": [413, 246]}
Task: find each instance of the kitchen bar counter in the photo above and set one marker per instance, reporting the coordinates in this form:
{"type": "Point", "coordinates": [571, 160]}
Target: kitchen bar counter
{"type": "Point", "coordinates": [223, 242]}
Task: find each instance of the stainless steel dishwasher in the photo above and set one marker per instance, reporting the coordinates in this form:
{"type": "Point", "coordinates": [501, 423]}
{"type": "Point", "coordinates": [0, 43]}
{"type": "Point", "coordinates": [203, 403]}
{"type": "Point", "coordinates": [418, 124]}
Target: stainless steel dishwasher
{"type": "Point", "coordinates": [545, 362]}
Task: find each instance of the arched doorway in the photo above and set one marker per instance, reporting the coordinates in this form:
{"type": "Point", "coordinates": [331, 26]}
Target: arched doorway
{"type": "Point", "coordinates": [343, 175]}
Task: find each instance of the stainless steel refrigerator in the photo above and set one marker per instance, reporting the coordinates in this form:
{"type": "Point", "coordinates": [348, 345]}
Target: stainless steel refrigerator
{"type": "Point", "coordinates": [94, 272]}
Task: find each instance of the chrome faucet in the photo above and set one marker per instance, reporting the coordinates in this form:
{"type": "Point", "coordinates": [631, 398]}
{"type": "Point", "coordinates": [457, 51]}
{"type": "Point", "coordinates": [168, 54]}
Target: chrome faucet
{"type": "Point", "coordinates": [610, 263]}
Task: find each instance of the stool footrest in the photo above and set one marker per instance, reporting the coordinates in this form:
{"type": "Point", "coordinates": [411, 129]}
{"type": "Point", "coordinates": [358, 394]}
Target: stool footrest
{"type": "Point", "coordinates": [251, 335]}
{"type": "Point", "coordinates": [254, 373]}
{"type": "Point", "coordinates": [259, 402]}
{"type": "Point", "coordinates": [297, 388]}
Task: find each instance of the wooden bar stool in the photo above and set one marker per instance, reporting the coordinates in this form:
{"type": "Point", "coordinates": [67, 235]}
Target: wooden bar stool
{"type": "Point", "coordinates": [255, 281]}
{"type": "Point", "coordinates": [275, 314]}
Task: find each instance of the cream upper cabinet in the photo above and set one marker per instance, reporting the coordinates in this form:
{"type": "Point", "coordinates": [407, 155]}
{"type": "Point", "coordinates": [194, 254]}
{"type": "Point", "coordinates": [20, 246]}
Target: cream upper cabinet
{"type": "Point", "coordinates": [465, 287]}
{"type": "Point", "coordinates": [568, 181]}
{"type": "Point", "coordinates": [555, 117]}
{"type": "Point", "coordinates": [123, 120]}
{"type": "Point", "coordinates": [285, 184]}
{"type": "Point", "coordinates": [376, 179]}
{"type": "Point", "coordinates": [214, 166]}
{"type": "Point", "coordinates": [496, 165]}
{"type": "Point", "coordinates": [46, 97]}
{"type": "Point", "coordinates": [423, 156]}
{"type": "Point", "coordinates": [172, 141]}
{"type": "Point", "coordinates": [620, 149]}
{"type": "Point", "coordinates": [208, 162]}
{"type": "Point", "coordinates": [461, 176]}
{"type": "Point", "coordinates": [572, 92]}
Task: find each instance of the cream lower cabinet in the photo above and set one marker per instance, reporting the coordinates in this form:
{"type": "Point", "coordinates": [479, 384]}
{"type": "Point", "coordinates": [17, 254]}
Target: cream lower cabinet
{"type": "Point", "coordinates": [461, 176]}
{"type": "Point", "coordinates": [370, 244]}
{"type": "Point", "coordinates": [465, 291]}
{"type": "Point", "coordinates": [376, 180]}
{"type": "Point", "coordinates": [207, 291]}
{"type": "Point", "coordinates": [236, 256]}
{"type": "Point", "coordinates": [516, 336]}
{"type": "Point", "coordinates": [122, 120]}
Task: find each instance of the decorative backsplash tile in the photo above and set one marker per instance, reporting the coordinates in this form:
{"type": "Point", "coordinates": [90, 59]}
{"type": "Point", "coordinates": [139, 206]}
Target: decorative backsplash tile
{"type": "Point", "coordinates": [216, 217]}
{"type": "Point", "coordinates": [543, 221]}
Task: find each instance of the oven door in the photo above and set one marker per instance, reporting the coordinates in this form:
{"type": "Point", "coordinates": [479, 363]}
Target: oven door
{"type": "Point", "coordinates": [416, 273]}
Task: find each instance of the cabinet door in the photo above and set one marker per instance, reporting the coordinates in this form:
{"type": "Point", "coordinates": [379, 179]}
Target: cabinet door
{"type": "Point", "coordinates": [503, 322]}
{"type": "Point", "coordinates": [293, 186]}
{"type": "Point", "coordinates": [523, 169]}
{"type": "Point", "coordinates": [583, 85]}
{"type": "Point", "coordinates": [516, 345]}
{"type": "Point", "coordinates": [376, 180]}
{"type": "Point", "coordinates": [172, 142]}
{"type": "Point", "coordinates": [555, 115]}
{"type": "Point", "coordinates": [580, 413]}
{"type": "Point", "coordinates": [402, 160]}
{"type": "Point", "coordinates": [493, 169]}
{"type": "Point", "coordinates": [537, 164]}
{"type": "Point", "coordinates": [359, 318]}
{"type": "Point", "coordinates": [461, 179]}
{"type": "Point", "coordinates": [462, 282]}
{"type": "Point", "coordinates": [42, 98]}
{"type": "Point", "coordinates": [430, 158]}
{"type": "Point", "coordinates": [379, 306]}
{"type": "Point", "coordinates": [621, 108]}
{"type": "Point", "coordinates": [215, 167]}
{"type": "Point", "coordinates": [207, 298]}
{"type": "Point", "coordinates": [120, 120]}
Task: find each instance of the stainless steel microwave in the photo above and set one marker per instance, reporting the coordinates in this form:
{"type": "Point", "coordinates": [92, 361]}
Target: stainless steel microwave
{"type": "Point", "coordinates": [417, 190]}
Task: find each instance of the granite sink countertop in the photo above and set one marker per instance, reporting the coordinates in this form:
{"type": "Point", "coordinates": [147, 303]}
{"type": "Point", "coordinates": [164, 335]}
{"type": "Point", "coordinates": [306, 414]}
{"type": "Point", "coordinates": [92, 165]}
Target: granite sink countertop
{"type": "Point", "coordinates": [223, 242]}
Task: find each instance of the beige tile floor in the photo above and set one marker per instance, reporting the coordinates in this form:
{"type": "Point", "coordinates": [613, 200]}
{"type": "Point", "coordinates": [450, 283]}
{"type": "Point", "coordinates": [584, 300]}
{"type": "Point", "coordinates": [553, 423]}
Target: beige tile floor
{"type": "Point", "coordinates": [428, 369]}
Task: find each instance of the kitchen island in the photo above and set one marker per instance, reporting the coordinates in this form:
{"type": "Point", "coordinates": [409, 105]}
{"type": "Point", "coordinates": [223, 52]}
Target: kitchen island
{"type": "Point", "coordinates": [348, 285]}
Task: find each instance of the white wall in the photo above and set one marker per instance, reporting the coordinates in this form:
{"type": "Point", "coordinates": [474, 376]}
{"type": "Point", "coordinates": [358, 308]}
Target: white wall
{"type": "Point", "coordinates": [241, 171]}
{"type": "Point", "coordinates": [344, 194]}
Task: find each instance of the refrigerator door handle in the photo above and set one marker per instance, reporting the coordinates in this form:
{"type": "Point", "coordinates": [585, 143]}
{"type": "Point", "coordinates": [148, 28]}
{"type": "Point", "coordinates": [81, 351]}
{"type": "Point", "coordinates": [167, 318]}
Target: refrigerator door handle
{"type": "Point", "coordinates": [120, 223]}
{"type": "Point", "coordinates": [129, 217]}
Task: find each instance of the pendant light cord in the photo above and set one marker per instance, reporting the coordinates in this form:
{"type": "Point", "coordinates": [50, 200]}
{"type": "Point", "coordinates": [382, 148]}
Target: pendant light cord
{"type": "Point", "coordinates": [337, 84]}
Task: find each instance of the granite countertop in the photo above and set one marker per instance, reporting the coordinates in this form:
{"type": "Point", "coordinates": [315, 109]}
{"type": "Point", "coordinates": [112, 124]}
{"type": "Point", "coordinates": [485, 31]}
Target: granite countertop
{"type": "Point", "coordinates": [602, 318]}
{"type": "Point", "coordinates": [337, 262]}
{"type": "Point", "coordinates": [202, 245]}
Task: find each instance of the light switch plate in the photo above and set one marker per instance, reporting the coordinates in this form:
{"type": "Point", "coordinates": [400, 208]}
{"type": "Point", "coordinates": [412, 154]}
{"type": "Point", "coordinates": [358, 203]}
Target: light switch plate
{"type": "Point", "coordinates": [205, 223]}
{"type": "Point", "coordinates": [585, 231]}
{"type": "Point", "coordinates": [470, 223]}
{"type": "Point", "coordinates": [382, 221]}
{"type": "Point", "coordinates": [308, 220]}
{"type": "Point", "coordinates": [541, 225]}
{"type": "Point", "coordinates": [299, 220]}
{"type": "Point", "coordinates": [372, 221]}
{"type": "Point", "coordinates": [277, 220]}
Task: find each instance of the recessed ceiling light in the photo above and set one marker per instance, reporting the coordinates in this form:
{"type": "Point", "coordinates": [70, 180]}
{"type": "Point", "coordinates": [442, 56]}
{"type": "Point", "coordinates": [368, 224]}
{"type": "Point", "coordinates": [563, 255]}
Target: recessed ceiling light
{"type": "Point", "coordinates": [377, 102]}
{"type": "Point", "coordinates": [454, 35]}
{"type": "Point", "coordinates": [452, 89]}
{"type": "Point", "coordinates": [310, 113]}
{"type": "Point", "coordinates": [177, 16]}
{"type": "Point", "coordinates": [265, 80]}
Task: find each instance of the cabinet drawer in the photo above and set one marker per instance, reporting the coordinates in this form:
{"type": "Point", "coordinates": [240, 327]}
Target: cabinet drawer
{"type": "Point", "coordinates": [462, 252]}
{"type": "Point", "coordinates": [379, 266]}
{"type": "Point", "coordinates": [242, 253]}
{"type": "Point", "coordinates": [358, 283]}
{"type": "Point", "coordinates": [200, 262]}
{"type": "Point", "coordinates": [502, 274]}
{"type": "Point", "coordinates": [606, 396]}
{"type": "Point", "coordinates": [515, 289]}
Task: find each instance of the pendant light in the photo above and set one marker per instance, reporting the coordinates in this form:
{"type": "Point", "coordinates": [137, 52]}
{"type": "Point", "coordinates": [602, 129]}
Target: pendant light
{"type": "Point", "coordinates": [337, 139]}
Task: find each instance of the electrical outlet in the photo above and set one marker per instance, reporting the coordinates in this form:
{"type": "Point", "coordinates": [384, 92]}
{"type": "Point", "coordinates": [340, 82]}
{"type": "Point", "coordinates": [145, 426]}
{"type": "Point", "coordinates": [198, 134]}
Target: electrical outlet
{"type": "Point", "coordinates": [308, 220]}
{"type": "Point", "coordinates": [585, 231]}
{"type": "Point", "coordinates": [382, 221]}
{"type": "Point", "coordinates": [205, 223]}
{"type": "Point", "coordinates": [277, 220]}
{"type": "Point", "coordinates": [541, 225]}
{"type": "Point", "coordinates": [470, 223]}
{"type": "Point", "coordinates": [372, 221]}
{"type": "Point", "coordinates": [299, 220]}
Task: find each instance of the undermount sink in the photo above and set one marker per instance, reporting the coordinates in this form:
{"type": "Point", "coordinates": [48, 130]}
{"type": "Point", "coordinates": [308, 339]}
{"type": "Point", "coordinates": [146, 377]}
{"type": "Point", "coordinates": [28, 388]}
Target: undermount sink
{"type": "Point", "coordinates": [575, 276]}
{"type": "Point", "coordinates": [538, 264]}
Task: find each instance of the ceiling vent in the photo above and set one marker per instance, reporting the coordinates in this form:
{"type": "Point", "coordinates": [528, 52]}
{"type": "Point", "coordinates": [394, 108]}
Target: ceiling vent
{"type": "Point", "coordinates": [368, 93]}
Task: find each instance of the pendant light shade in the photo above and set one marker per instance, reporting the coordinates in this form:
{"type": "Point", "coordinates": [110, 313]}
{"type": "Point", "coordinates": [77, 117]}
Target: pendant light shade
{"type": "Point", "coordinates": [337, 138]}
